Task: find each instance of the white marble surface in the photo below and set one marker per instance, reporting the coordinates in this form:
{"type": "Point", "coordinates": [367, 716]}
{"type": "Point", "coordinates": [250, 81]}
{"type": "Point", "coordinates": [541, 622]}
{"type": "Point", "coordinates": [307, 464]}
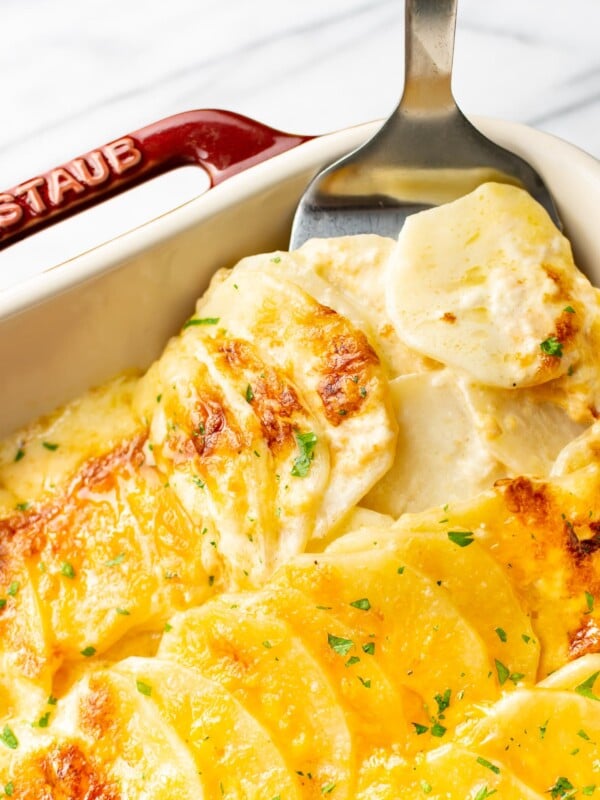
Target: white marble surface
{"type": "Point", "coordinates": [77, 74]}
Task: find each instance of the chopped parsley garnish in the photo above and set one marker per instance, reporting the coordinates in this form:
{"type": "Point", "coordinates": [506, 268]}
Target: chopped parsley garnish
{"type": "Point", "coordinates": [426, 787]}
{"type": "Point", "coordinates": [443, 700]}
{"type": "Point", "coordinates": [501, 634]}
{"type": "Point", "coordinates": [88, 651]}
{"type": "Point", "coordinates": [328, 787]}
{"type": "Point", "coordinates": [143, 688]}
{"type": "Point", "coordinates": [586, 688]}
{"type": "Point", "coordinates": [525, 638]}
{"type": "Point", "coordinates": [199, 482]}
{"type": "Point", "coordinates": [2, 602]}
{"type": "Point", "coordinates": [588, 790]}
{"type": "Point", "coordinates": [366, 684]}
{"type": "Point", "coordinates": [13, 588]}
{"type": "Point", "coordinates": [400, 570]}
{"type": "Point", "coordinates": [589, 600]}
{"type": "Point", "coordinates": [51, 701]}
{"type": "Point", "coordinates": [551, 347]}
{"type": "Point", "coordinates": [488, 765]}
{"type": "Point", "coordinates": [569, 309]}
{"type": "Point", "coordinates": [484, 793]}
{"type": "Point", "coordinates": [369, 648]}
{"type": "Point", "coordinates": [306, 444]}
{"type": "Point", "coordinates": [363, 604]}
{"type": "Point", "coordinates": [22, 506]}
{"type": "Point", "coordinates": [20, 454]}
{"type": "Point", "coordinates": [563, 788]}
{"type": "Point", "coordinates": [503, 672]}
{"type": "Point", "coordinates": [8, 738]}
{"type": "Point", "coordinates": [249, 394]}
{"type": "Point", "coordinates": [201, 321]}
{"type": "Point", "coordinates": [267, 644]}
{"type": "Point", "coordinates": [461, 538]}
{"type": "Point", "coordinates": [276, 260]}
{"type": "Point", "coordinates": [50, 446]}
{"type": "Point", "coordinates": [339, 645]}
{"type": "Point", "coordinates": [68, 570]}
{"type": "Point", "coordinates": [419, 729]}
{"type": "Point", "coordinates": [515, 677]}
{"type": "Point", "coordinates": [9, 789]}
{"type": "Point", "coordinates": [583, 735]}
{"type": "Point", "coordinates": [42, 721]}
{"type": "Point", "coordinates": [543, 728]}
{"type": "Point", "coordinates": [114, 562]}
{"type": "Point", "coordinates": [123, 612]}
{"type": "Point", "coordinates": [352, 660]}
{"type": "Point", "coordinates": [158, 398]}
{"type": "Point", "coordinates": [168, 627]}
{"type": "Point", "coordinates": [438, 730]}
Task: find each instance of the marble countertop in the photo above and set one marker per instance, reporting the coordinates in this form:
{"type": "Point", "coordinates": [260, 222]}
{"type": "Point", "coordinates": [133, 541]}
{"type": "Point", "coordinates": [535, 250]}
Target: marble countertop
{"type": "Point", "coordinates": [79, 74]}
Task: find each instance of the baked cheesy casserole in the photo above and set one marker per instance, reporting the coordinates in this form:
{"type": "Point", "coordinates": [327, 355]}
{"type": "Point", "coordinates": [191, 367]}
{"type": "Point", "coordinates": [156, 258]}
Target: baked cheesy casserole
{"type": "Point", "coordinates": [342, 540]}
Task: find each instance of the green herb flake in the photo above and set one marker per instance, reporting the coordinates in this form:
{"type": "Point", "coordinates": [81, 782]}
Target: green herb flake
{"type": "Point", "coordinates": [443, 700]}
{"type": "Point", "coordinates": [438, 730]}
{"type": "Point", "coordinates": [201, 321]}
{"type": "Point", "coordinates": [114, 562]}
{"type": "Point", "coordinates": [583, 735]}
{"type": "Point", "coordinates": [339, 645]}
{"type": "Point", "coordinates": [8, 738]}
{"type": "Point", "coordinates": [365, 683]}
{"type": "Point", "coordinates": [143, 688]}
{"type": "Point", "coordinates": [551, 347]}
{"type": "Point", "coordinates": [363, 392]}
{"type": "Point", "coordinates": [123, 612]}
{"type": "Point", "coordinates": [267, 644]}
{"type": "Point", "coordinates": [68, 570]}
{"type": "Point", "coordinates": [501, 634]}
{"type": "Point", "coordinates": [588, 790]}
{"type": "Point", "coordinates": [369, 648]}
{"type": "Point", "coordinates": [327, 788]}
{"type": "Point", "coordinates": [158, 398]}
{"type": "Point", "coordinates": [88, 651]}
{"type": "Point", "coordinates": [503, 672]}
{"type": "Point", "coordinates": [589, 601]}
{"type": "Point", "coordinates": [400, 570]}
{"type": "Point", "coordinates": [52, 446]}
{"type": "Point", "coordinates": [461, 538]}
{"type": "Point", "coordinates": [168, 627]}
{"type": "Point", "coordinates": [2, 603]}
{"type": "Point", "coordinates": [426, 787]}
{"type": "Point", "coordinates": [543, 729]}
{"type": "Point", "coordinates": [42, 721]}
{"type": "Point", "coordinates": [563, 788]}
{"type": "Point", "coordinates": [488, 765]}
{"type": "Point", "coordinates": [525, 638]}
{"type": "Point", "coordinates": [276, 259]}
{"type": "Point", "coordinates": [9, 789]}
{"type": "Point", "coordinates": [306, 445]}
{"type": "Point", "coordinates": [363, 604]}
{"type": "Point", "coordinates": [569, 309]}
{"type": "Point", "coordinates": [515, 677]}
{"type": "Point", "coordinates": [419, 729]}
{"type": "Point", "coordinates": [13, 588]}
{"type": "Point", "coordinates": [22, 506]}
{"type": "Point", "coordinates": [249, 394]}
{"type": "Point", "coordinates": [484, 793]}
{"type": "Point", "coordinates": [19, 454]}
{"type": "Point", "coordinates": [352, 660]}
{"type": "Point", "coordinates": [51, 701]}
{"type": "Point", "coordinates": [586, 688]}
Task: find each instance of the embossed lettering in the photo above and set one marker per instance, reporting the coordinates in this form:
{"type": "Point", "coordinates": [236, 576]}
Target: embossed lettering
{"type": "Point", "coordinates": [91, 169]}
{"type": "Point", "coordinates": [32, 196]}
{"type": "Point", "coordinates": [59, 183]}
{"type": "Point", "coordinates": [10, 212]}
{"type": "Point", "coordinates": [122, 155]}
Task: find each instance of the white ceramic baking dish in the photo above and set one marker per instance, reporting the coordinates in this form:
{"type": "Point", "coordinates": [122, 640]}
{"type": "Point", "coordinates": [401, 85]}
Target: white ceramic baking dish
{"type": "Point", "coordinates": [114, 307]}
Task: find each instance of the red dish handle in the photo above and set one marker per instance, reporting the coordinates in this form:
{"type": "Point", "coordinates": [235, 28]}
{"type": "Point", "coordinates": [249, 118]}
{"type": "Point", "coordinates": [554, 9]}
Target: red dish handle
{"type": "Point", "coordinates": [221, 142]}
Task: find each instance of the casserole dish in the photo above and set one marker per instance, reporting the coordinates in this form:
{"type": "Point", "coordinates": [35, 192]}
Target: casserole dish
{"type": "Point", "coordinates": [114, 307]}
{"type": "Point", "coordinates": [355, 659]}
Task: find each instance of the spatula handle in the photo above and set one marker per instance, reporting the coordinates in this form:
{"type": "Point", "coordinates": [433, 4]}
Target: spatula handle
{"type": "Point", "coordinates": [429, 50]}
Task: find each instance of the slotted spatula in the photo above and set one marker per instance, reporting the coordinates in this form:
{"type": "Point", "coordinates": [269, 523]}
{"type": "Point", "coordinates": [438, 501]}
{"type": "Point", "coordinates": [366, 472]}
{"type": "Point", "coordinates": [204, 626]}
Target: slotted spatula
{"type": "Point", "coordinates": [426, 153]}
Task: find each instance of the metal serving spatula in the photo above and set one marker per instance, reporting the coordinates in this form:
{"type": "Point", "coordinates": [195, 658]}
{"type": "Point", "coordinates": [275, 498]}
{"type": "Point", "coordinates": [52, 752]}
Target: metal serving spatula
{"type": "Point", "coordinates": [427, 153]}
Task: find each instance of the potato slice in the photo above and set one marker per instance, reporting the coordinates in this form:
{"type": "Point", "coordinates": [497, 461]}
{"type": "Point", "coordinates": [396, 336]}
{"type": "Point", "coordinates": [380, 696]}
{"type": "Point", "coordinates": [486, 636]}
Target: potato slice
{"type": "Point", "coordinates": [377, 711]}
{"type": "Point", "coordinates": [411, 626]}
{"type": "Point", "coordinates": [335, 369]}
{"type": "Point", "coordinates": [234, 754]}
{"type": "Point", "coordinates": [447, 772]}
{"type": "Point", "coordinates": [138, 751]}
{"type": "Point", "coordinates": [440, 455]}
{"type": "Point", "coordinates": [485, 284]}
{"type": "Point", "coordinates": [576, 673]}
{"type": "Point", "coordinates": [478, 586]}
{"type": "Point", "coordinates": [549, 738]}
{"type": "Point", "coordinates": [270, 671]}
